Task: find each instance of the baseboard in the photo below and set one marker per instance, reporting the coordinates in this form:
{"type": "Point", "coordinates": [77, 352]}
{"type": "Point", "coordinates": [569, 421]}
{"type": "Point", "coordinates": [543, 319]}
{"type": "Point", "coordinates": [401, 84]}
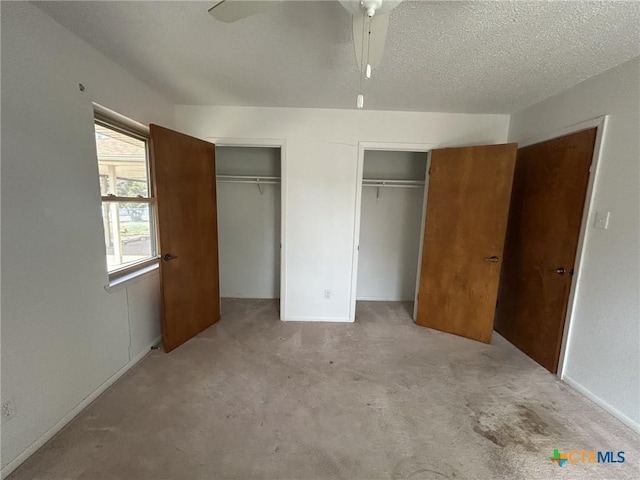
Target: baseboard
{"type": "Point", "coordinates": [145, 351]}
{"type": "Point", "coordinates": [635, 426]}
{"type": "Point", "coordinates": [318, 319]}
{"type": "Point", "coordinates": [381, 299]}
{"type": "Point", "coordinates": [248, 297]}
{"type": "Point", "coordinates": [49, 434]}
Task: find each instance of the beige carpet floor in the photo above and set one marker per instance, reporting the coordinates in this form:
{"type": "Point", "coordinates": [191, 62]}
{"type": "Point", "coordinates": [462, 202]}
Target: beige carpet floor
{"type": "Point", "coordinates": [253, 397]}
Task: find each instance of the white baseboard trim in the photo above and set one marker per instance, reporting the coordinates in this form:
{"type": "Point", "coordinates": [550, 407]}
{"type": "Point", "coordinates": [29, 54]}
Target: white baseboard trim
{"type": "Point", "coordinates": [46, 436]}
{"type": "Point", "coordinates": [635, 426]}
{"type": "Point", "coordinates": [317, 319]}
{"type": "Point", "coordinates": [248, 297]}
{"type": "Point", "coordinates": [145, 351]}
{"type": "Point", "coordinates": [382, 299]}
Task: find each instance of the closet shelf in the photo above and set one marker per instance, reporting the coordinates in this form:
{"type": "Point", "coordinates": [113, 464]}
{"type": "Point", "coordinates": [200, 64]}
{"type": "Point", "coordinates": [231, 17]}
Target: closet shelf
{"type": "Point", "coordinates": [392, 183]}
{"type": "Point", "coordinates": [247, 179]}
{"type": "Point", "coordinates": [259, 181]}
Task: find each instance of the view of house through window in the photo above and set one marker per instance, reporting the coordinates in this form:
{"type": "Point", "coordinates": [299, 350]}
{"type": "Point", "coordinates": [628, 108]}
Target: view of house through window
{"type": "Point", "coordinates": [127, 205]}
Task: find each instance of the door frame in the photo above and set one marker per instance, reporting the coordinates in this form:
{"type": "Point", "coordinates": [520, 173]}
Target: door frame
{"type": "Point", "coordinates": [600, 123]}
{"type": "Point", "coordinates": [269, 143]}
{"type": "Point", "coordinates": [384, 146]}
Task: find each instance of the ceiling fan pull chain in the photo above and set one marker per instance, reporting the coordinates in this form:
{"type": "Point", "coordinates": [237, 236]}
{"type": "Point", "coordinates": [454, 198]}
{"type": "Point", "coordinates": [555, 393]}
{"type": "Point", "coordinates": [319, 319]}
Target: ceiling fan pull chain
{"type": "Point", "coordinates": [360, 98]}
{"type": "Point", "coordinates": [368, 69]}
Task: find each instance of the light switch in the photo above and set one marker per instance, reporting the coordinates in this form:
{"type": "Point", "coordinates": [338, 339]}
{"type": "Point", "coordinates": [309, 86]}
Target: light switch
{"type": "Point", "coordinates": [602, 220]}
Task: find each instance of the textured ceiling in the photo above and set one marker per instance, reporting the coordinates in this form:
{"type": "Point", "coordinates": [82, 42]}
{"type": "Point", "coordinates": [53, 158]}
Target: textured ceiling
{"type": "Point", "coordinates": [488, 57]}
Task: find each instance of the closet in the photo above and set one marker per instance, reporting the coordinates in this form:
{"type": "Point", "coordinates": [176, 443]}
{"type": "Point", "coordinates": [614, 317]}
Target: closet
{"type": "Point", "coordinates": [392, 202]}
{"type": "Point", "coordinates": [249, 198]}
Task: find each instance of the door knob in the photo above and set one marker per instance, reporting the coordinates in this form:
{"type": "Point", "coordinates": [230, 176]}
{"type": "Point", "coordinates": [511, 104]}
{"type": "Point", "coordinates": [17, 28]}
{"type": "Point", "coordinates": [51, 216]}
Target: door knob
{"type": "Point", "coordinates": [560, 271]}
{"type": "Point", "coordinates": [167, 257]}
{"type": "Point", "coordinates": [492, 259]}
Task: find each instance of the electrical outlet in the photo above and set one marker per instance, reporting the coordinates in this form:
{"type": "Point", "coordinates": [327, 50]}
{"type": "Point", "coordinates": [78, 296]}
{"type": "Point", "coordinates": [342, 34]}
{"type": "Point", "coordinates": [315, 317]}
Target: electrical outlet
{"type": "Point", "coordinates": [327, 294]}
{"type": "Point", "coordinates": [8, 410]}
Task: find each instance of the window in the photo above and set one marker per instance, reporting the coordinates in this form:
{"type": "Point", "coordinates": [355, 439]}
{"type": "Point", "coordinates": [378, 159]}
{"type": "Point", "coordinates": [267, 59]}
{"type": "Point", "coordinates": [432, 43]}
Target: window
{"type": "Point", "coordinates": [127, 201]}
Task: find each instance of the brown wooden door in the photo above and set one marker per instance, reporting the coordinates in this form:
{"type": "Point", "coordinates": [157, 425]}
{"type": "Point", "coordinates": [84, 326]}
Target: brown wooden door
{"type": "Point", "coordinates": [549, 192]}
{"type": "Point", "coordinates": [466, 220]}
{"type": "Point", "coordinates": [185, 185]}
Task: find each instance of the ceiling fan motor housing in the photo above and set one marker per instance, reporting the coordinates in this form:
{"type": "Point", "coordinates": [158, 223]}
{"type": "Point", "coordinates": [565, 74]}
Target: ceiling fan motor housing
{"type": "Point", "coordinates": [370, 7]}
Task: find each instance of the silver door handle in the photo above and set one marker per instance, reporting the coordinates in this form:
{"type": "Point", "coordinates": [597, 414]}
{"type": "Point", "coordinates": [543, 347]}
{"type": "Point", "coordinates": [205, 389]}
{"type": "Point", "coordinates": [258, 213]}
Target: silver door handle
{"type": "Point", "coordinates": [560, 271]}
{"type": "Point", "coordinates": [492, 259]}
{"type": "Point", "coordinates": [168, 257]}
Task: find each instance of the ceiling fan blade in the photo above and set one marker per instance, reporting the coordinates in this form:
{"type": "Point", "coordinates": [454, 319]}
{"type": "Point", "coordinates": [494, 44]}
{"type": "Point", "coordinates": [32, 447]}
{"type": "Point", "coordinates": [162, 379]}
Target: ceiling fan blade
{"type": "Point", "coordinates": [229, 11]}
{"type": "Point", "coordinates": [379, 26]}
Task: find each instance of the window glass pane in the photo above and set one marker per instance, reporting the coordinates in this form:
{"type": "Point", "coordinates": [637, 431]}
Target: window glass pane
{"type": "Point", "coordinates": [122, 162]}
{"type": "Point", "coordinates": [128, 233]}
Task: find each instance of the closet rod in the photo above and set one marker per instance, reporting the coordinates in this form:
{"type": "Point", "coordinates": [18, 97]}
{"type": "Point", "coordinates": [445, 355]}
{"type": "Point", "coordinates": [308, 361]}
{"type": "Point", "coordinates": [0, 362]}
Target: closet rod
{"type": "Point", "coordinates": [393, 183]}
{"type": "Point", "coordinates": [247, 179]}
{"type": "Point", "coordinates": [394, 186]}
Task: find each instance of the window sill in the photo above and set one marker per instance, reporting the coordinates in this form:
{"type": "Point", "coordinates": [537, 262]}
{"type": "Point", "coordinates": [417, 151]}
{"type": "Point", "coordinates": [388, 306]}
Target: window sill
{"type": "Point", "coordinates": [123, 280]}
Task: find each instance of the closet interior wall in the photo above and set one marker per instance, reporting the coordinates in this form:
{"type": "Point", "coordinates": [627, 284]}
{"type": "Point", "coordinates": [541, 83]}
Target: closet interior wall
{"type": "Point", "coordinates": [390, 225]}
{"type": "Point", "coordinates": [248, 190]}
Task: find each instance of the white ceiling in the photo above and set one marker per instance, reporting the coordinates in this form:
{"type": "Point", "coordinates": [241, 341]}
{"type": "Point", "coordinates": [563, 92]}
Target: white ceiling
{"type": "Point", "coordinates": [485, 57]}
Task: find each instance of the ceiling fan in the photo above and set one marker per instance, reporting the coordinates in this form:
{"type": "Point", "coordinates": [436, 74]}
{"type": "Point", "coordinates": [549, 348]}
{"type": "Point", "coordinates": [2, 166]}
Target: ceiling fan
{"type": "Point", "coordinates": [370, 24]}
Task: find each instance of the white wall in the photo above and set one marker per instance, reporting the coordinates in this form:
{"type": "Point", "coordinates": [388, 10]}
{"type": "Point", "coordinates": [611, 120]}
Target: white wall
{"type": "Point", "coordinates": [603, 354]}
{"type": "Point", "coordinates": [390, 226]}
{"type": "Point", "coordinates": [249, 224]}
{"type": "Point", "coordinates": [63, 335]}
{"type": "Point", "coordinates": [320, 162]}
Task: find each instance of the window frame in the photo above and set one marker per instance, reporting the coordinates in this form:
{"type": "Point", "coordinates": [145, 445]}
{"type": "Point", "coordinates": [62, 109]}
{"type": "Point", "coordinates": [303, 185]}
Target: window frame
{"type": "Point", "coordinates": [138, 132]}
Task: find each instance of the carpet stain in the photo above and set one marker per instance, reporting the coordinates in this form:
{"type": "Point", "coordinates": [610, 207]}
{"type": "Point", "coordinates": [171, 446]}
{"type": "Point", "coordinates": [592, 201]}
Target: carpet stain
{"type": "Point", "coordinates": [531, 422]}
{"type": "Point", "coordinates": [517, 426]}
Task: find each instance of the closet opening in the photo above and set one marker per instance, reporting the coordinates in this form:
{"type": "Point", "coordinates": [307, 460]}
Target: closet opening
{"type": "Point", "coordinates": [392, 204]}
{"type": "Point", "coordinates": [249, 222]}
